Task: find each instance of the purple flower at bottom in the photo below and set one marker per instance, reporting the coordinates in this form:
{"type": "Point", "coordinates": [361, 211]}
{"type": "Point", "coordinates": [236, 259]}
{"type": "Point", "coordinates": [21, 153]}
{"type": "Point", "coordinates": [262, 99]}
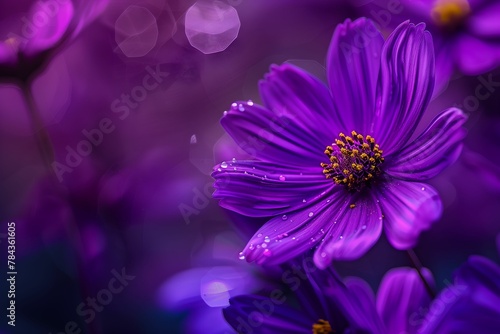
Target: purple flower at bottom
{"type": "Point", "coordinates": [372, 175]}
{"type": "Point", "coordinates": [402, 305]}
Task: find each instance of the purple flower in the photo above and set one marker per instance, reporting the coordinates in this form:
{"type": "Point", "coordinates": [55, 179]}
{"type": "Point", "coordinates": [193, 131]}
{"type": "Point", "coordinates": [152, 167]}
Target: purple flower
{"type": "Point", "coordinates": [277, 311]}
{"type": "Point", "coordinates": [466, 32]}
{"type": "Point", "coordinates": [372, 175]}
{"type": "Point", "coordinates": [402, 305]}
{"type": "Point", "coordinates": [46, 27]}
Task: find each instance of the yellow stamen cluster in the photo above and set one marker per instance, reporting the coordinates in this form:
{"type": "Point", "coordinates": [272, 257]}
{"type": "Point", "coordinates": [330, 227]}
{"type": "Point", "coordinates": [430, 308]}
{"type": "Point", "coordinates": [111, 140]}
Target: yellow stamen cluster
{"type": "Point", "coordinates": [354, 161]}
{"type": "Point", "coordinates": [450, 12]}
{"type": "Point", "coordinates": [322, 327]}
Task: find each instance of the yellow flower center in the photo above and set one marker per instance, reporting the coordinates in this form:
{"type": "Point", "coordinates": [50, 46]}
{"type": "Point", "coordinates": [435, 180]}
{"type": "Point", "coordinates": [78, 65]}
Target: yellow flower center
{"type": "Point", "coordinates": [322, 327]}
{"type": "Point", "coordinates": [354, 161]}
{"type": "Point", "coordinates": [450, 12]}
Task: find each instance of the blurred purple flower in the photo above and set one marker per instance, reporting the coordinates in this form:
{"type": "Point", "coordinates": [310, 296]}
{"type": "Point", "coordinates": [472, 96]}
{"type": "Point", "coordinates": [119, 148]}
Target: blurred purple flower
{"type": "Point", "coordinates": [47, 26]}
{"type": "Point", "coordinates": [205, 290]}
{"type": "Point", "coordinates": [377, 90]}
{"type": "Point", "coordinates": [466, 33]}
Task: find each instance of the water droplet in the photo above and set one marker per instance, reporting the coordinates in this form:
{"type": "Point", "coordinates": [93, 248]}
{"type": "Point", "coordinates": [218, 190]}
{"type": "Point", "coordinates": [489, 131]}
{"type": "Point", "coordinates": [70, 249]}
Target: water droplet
{"type": "Point", "coordinates": [328, 200]}
{"type": "Point", "coordinates": [363, 227]}
{"type": "Point", "coordinates": [241, 107]}
{"type": "Point", "coordinates": [251, 247]}
{"type": "Point", "coordinates": [233, 160]}
{"type": "Point", "coordinates": [335, 222]}
{"type": "Point", "coordinates": [284, 217]}
{"type": "Point", "coordinates": [341, 237]}
{"type": "Point", "coordinates": [224, 113]}
{"type": "Point", "coordinates": [423, 188]}
{"type": "Point", "coordinates": [193, 139]}
{"type": "Point", "coordinates": [267, 239]}
{"type": "Point", "coordinates": [241, 256]}
{"type": "Point", "coordinates": [223, 164]}
{"type": "Point", "coordinates": [264, 245]}
{"type": "Point", "coordinates": [234, 105]}
{"type": "Point", "coordinates": [259, 235]}
{"type": "Point", "coordinates": [253, 167]}
{"type": "Point", "coordinates": [246, 172]}
{"type": "Point", "coordinates": [304, 200]}
{"type": "Point", "coordinates": [311, 214]}
{"type": "Point", "coordinates": [250, 103]}
{"type": "Point", "coordinates": [267, 253]}
{"type": "Point", "coordinates": [219, 170]}
{"type": "Point", "coordinates": [322, 231]}
{"type": "Point", "coordinates": [313, 240]}
{"type": "Point", "coordinates": [282, 178]}
{"type": "Point", "coordinates": [323, 254]}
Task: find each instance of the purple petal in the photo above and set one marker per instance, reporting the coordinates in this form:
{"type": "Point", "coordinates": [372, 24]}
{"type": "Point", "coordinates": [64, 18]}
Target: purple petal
{"type": "Point", "coordinates": [471, 304]}
{"type": "Point", "coordinates": [353, 233]}
{"type": "Point", "coordinates": [475, 56]}
{"type": "Point", "coordinates": [401, 299]}
{"type": "Point", "coordinates": [435, 149]}
{"type": "Point", "coordinates": [405, 85]}
{"type": "Point", "coordinates": [58, 18]}
{"type": "Point", "coordinates": [250, 312]}
{"type": "Point", "coordinates": [357, 303]}
{"type": "Point", "coordinates": [409, 208]}
{"type": "Point", "coordinates": [288, 90]}
{"type": "Point", "coordinates": [260, 189]}
{"type": "Point", "coordinates": [277, 137]}
{"type": "Point", "coordinates": [485, 22]}
{"type": "Point", "coordinates": [284, 237]}
{"type": "Point", "coordinates": [353, 63]}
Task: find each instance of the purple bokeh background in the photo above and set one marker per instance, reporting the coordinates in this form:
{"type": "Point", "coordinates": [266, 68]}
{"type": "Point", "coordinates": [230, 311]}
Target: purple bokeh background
{"type": "Point", "coordinates": [141, 199]}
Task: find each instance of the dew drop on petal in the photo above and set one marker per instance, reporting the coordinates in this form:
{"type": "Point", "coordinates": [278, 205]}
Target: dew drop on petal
{"type": "Point", "coordinates": [241, 107]}
{"type": "Point", "coordinates": [250, 103]}
{"type": "Point", "coordinates": [304, 200]}
{"type": "Point", "coordinates": [211, 26]}
{"type": "Point", "coordinates": [423, 188]}
{"type": "Point", "coordinates": [219, 170]}
{"type": "Point", "coordinates": [241, 256]}
{"type": "Point", "coordinates": [224, 113]}
{"type": "Point", "coordinates": [341, 237]}
{"type": "Point", "coordinates": [264, 245]}
{"type": "Point", "coordinates": [259, 235]}
{"type": "Point", "coordinates": [363, 227]}
{"type": "Point", "coordinates": [234, 160]}
{"type": "Point", "coordinates": [223, 164]}
{"type": "Point", "coordinates": [251, 247]}
{"type": "Point", "coordinates": [284, 217]}
{"type": "Point", "coordinates": [323, 254]}
{"type": "Point", "coordinates": [282, 178]}
{"type": "Point", "coordinates": [266, 239]}
{"type": "Point", "coordinates": [267, 252]}
{"type": "Point", "coordinates": [311, 214]}
{"type": "Point", "coordinates": [234, 105]}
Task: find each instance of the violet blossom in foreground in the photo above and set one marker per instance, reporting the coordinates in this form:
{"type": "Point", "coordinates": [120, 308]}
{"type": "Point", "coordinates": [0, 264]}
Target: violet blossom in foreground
{"type": "Point", "coordinates": [469, 305]}
{"type": "Point", "coordinates": [372, 175]}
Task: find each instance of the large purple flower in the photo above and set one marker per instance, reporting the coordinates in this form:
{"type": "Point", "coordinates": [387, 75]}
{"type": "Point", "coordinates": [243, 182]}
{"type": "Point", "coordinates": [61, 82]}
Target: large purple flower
{"type": "Point", "coordinates": [371, 176]}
